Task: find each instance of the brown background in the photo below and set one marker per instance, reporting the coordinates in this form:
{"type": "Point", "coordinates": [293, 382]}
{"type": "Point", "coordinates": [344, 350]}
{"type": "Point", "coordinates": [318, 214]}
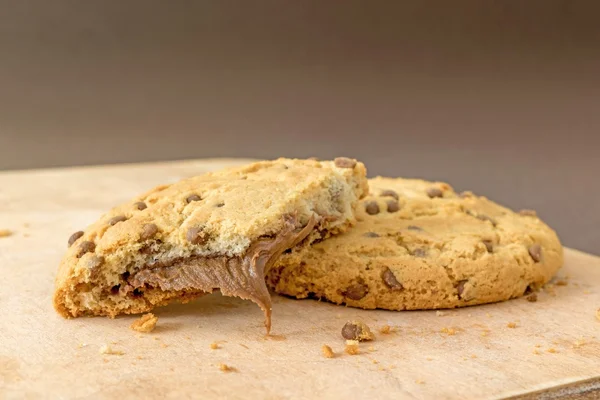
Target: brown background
{"type": "Point", "coordinates": [501, 97]}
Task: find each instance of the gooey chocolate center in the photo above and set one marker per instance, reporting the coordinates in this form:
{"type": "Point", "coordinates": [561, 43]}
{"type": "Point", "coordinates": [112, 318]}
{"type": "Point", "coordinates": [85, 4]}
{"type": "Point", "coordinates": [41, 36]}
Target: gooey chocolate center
{"type": "Point", "coordinates": [241, 276]}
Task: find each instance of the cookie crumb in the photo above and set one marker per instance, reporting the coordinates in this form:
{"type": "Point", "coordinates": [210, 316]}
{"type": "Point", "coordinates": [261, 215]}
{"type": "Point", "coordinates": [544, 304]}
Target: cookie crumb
{"type": "Point", "coordinates": [586, 291]}
{"type": "Point", "coordinates": [106, 349]}
{"type": "Point", "coordinates": [511, 325]}
{"type": "Point", "coordinates": [440, 313]}
{"type": "Point", "coordinates": [598, 314]}
{"type": "Point", "coordinates": [561, 282]}
{"type": "Point", "coordinates": [214, 346]}
{"type": "Point", "coordinates": [327, 351]}
{"type": "Point", "coordinates": [532, 298]}
{"type": "Point", "coordinates": [227, 368]}
{"type": "Point", "coordinates": [146, 323]}
{"type": "Point", "coordinates": [385, 330]}
{"type": "Point", "coordinates": [5, 233]}
{"type": "Point", "coordinates": [488, 315]}
{"type": "Point", "coordinates": [356, 330]}
{"type": "Point", "coordinates": [352, 347]}
{"type": "Point", "coordinates": [536, 352]}
{"type": "Point", "coordinates": [374, 361]}
{"type": "Point", "coordinates": [420, 382]}
{"type": "Point", "coordinates": [552, 350]}
{"type": "Point", "coordinates": [578, 343]}
{"type": "Point", "coordinates": [371, 348]}
{"type": "Point", "coordinates": [164, 345]}
{"type": "Point", "coordinates": [473, 356]}
{"type": "Point", "coordinates": [449, 331]}
{"type": "Point", "coordinates": [429, 359]}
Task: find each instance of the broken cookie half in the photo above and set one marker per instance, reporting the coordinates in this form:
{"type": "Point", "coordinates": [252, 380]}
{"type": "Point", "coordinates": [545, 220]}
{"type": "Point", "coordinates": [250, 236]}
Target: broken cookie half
{"type": "Point", "coordinates": [222, 230]}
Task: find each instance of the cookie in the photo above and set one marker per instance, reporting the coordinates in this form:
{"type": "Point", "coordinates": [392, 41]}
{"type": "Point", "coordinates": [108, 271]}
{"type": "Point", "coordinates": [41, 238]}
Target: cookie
{"type": "Point", "coordinates": [420, 245]}
{"type": "Point", "coordinates": [221, 230]}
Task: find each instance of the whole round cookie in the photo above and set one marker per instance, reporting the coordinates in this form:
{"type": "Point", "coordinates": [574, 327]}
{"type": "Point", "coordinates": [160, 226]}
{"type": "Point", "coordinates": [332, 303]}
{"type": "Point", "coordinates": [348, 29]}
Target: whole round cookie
{"type": "Point", "coordinates": [420, 245]}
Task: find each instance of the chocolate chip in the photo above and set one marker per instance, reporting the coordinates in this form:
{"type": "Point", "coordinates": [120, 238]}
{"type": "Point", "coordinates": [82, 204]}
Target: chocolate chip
{"type": "Point", "coordinates": [372, 208]}
{"type": "Point", "coordinates": [460, 288]}
{"type": "Point", "coordinates": [484, 217]}
{"type": "Point", "coordinates": [148, 231]}
{"type": "Point", "coordinates": [140, 205]}
{"type": "Point", "coordinates": [193, 197]}
{"type": "Point", "coordinates": [435, 192]}
{"type": "Point", "coordinates": [357, 291]}
{"type": "Point", "coordinates": [389, 193]}
{"type": "Point", "coordinates": [393, 206]}
{"type": "Point", "coordinates": [371, 235]}
{"type": "Point", "coordinates": [219, 205]}
{"type": "Point", "coordinates": [535, 251]}
{"type": "Point", "coordinates": [356, 331]}
{"type": "Point", "coordinates": [343, 162]}
{"type": "Point", "coordinates": [117, 219]}
{"type": "Point", "coordinates": [419, 252]}
{"type": "Point", "coordinates": [197, 235]}
{"type": "Point", "coordinates": [390, 280]}
{"type": "Point", "coordinates": [488, 245]}
{"type": "Point", "coordinates": [74, 237]}
{"type": "Point", "coordinates": [532, 298]}
{"type": "Point", "coordinates": [528, 213]}
{"type": "Point", "coordinates": [414, 228]}
{"type": "Point", "coordinates": [85, 247]}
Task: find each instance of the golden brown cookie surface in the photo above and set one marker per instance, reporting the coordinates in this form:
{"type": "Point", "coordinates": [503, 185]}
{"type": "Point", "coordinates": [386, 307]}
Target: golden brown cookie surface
{"type": "Point", "coordinates": [420, 245]}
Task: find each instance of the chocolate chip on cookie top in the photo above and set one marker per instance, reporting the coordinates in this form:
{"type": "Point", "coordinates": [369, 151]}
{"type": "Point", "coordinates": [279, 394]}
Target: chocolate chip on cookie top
{"type": "Point", "coordinates": [74, 237]}
{"type": "Point", "coordinates": [372, 208]}
{"type": "Point", "coordinates": [192, 197]}
{"type": "Point", "coordinates": [434, 192]}
{"type": "Point", "coordinates": [535, 251]}
{"type": "Point", "coordinates": [343, 162]}
{"type": "Point", "coordinates": [140, 205]}
{"type": "Point", "coordinates": [148, 231]}
{"type": "Point", "coordinates": [393, 206]}
{"type": "Point", "coordinates": [85, 247]}
{"type": "Point", "coordinates": [115, 220]}
{"type": "Point", "coordinates": [389, 193]}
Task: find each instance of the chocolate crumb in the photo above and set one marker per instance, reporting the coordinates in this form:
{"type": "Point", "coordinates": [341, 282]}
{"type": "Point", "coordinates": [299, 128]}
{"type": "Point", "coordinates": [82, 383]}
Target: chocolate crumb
{"type": "Point", "coordinates": [390, 280]}
{"type": "Point", "coordinates": [389, 193]}
{"type": "Point", "coordinates": [488, 245]}
{"type": "Point", "coordinates": [356, 330]}
{"type": "Point", "coordinates": [356, 291]}
{"type": "Point", "coordinates": [372, 208]}
{"type": "Point", "coordinates": [327, 351]}
{"type": "Point", "coordinates": [193, 197]}
{"type": "Point", "coordinates": [393, 206]}
{"type": "Point", "coordinates": [343, 162]}
{"type": "Point", "coordinates": [196, 235]}
{"type": "Point", "coordinates": [371, 235]}
{"type": "Point", "coordinates": [535, 251]}
{"type": "Point", "coordinates": [435, 192]}
{"type": "Point", "coordinates": [146, 323]}
{"type": "Point", "coordinates": [74, 237]}
{"type": "Point", "coordinates": [352, 347]}
{"type": "Point", "coordinates": [148, 231]}
{"type": "Point", "coordinates": [532, 298]}
{"type": "Point", "coordinates": [85, 247]}
{"type": "Point", "coordinates": [140, 205]}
